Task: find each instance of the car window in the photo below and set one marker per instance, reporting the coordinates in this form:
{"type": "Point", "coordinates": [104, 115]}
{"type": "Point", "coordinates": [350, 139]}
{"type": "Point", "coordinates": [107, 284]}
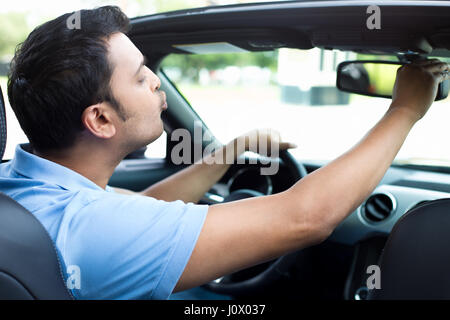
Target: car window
{"type": "Point", "coordinates": [294, 92]}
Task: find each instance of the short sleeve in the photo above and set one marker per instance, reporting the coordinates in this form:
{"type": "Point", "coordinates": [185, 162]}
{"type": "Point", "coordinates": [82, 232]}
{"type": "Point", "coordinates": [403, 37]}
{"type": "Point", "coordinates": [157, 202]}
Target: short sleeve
{"type": "Point", "coordinates": [131, 247]}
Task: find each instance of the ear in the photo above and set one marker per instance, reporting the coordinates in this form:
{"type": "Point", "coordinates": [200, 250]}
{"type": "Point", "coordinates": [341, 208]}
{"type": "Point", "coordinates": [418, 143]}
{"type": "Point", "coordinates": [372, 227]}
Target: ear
{"type": "Point", "coordinates": [98, 119]}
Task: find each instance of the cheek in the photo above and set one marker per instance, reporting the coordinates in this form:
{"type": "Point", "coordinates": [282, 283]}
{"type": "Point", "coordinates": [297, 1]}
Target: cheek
{"type": "Point", "coordinates": [152, 104]}
{"type": "Point", "coordinates": [142, 104]}
{"type": "Point", "coordinates": [149, 112]}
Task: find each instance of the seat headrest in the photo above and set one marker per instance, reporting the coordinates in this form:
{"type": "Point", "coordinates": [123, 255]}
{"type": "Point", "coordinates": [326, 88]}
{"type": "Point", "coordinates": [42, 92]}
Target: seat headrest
{"type": "Point", "coordinates": [415, 262]}
{"type": "Point", "coordinates": [2, 125]}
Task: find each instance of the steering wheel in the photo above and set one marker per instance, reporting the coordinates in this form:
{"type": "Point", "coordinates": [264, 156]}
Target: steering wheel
{"type": "Point", "coordinates": [277, 269]}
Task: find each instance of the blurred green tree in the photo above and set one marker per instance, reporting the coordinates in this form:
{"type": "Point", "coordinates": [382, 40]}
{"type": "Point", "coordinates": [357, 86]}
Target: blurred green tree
{"type": "Point", "coordinates": [191, 64]}
{"type": "Point", "coordinates": [13, 30]}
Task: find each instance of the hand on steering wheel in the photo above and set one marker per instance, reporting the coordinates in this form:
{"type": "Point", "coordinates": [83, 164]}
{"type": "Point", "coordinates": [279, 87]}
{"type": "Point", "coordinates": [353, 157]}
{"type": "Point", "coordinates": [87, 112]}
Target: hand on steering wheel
{"type": "Point", "coordinates": [266, 142]}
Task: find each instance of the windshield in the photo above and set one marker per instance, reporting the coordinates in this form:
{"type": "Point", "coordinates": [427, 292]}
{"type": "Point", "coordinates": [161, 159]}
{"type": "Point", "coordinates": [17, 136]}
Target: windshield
{"type": "Point", "coordinates": [294, 92]}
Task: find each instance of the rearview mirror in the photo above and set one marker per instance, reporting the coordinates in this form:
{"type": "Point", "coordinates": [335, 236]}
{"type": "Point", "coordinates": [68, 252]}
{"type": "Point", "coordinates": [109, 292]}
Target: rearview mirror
{"type": "Point", "coordinates": [374, 78]}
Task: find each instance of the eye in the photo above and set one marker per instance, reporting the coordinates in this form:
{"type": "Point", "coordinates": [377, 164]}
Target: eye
{"type": "Point", "coordinates": [142, 80]}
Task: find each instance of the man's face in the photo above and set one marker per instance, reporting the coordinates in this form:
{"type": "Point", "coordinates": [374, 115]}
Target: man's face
{"type": "Point", "coordinates": [136, 88]}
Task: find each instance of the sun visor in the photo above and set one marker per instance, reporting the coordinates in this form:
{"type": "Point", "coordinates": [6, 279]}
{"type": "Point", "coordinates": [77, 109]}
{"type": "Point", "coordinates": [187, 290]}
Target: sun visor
{"type": "Point", "coordinates": [209, 48]}
{"type": "Point", "coordinates": [222, 41]}
{"type": "Point", "coordinates": [379, 41]}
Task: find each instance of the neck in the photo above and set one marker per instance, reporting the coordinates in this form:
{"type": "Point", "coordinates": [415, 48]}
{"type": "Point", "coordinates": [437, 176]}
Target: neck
{"type": "Point", "coordinates": [97, 166]}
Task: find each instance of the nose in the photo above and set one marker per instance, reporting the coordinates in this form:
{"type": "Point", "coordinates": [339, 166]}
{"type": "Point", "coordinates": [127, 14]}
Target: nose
{"type": "Point", "coordinates": [155, 83]}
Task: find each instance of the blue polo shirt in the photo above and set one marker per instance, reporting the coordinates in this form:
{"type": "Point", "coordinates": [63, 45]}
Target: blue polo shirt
{"type": "Point", "coordinates": [121, 246]}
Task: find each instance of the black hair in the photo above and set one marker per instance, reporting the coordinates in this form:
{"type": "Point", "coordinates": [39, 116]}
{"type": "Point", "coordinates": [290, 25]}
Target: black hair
{"type": "Point", "coordinates": [61, 69]}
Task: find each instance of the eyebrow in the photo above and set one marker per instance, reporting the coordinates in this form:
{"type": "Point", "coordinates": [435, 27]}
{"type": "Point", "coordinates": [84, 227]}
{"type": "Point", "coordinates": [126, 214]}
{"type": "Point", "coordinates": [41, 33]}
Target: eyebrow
{"type": "Point", "coordinates": [143, 63]}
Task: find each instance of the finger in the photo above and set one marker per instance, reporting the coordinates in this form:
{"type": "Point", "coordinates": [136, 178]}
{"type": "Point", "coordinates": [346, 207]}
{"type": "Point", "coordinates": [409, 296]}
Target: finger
{"type": "Point", "coordinates": [274, 137]}
{"type": "Point", "coordinates": [287, 145]}
{"type": "Point", "coordinates": [438, 68]}
{"type": "Point", "coordinates": [428, 66]}
{"type": "Point", "coordinates": [274, 133]}
{"type": "Point", "coordinates": [425, 62]}
{"type": "Point", "coordinates": [445, 75]}
{"type": "Point", "coordinates": [442, 74]}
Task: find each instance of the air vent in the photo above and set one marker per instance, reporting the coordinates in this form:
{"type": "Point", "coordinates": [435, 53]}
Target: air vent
{"type": "Point", "coordinates": [378, 207]}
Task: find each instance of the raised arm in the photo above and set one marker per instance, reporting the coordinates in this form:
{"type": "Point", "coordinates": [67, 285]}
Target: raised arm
{"type": "Point", "coordinates": [240, 234]}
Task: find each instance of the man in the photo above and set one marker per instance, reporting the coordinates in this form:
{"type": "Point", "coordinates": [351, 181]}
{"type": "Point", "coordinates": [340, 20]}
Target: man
{"type": "Point", "coordinates": [85, 99]}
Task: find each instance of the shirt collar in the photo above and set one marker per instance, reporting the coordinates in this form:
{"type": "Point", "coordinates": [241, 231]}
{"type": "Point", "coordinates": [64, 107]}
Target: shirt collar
{"type": "Point", "coordinates": [37, 168]}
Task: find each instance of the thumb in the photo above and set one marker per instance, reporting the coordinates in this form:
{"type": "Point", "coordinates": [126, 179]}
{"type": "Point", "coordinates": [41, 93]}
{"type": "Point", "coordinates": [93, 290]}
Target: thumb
{"type": "Point", "coordinates": [287, 145]}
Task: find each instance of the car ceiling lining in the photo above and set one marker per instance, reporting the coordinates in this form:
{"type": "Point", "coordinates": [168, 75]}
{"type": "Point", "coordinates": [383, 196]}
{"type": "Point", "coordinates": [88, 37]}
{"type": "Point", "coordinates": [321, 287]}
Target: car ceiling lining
{"type": "Point", "coordinates": [414, 26]}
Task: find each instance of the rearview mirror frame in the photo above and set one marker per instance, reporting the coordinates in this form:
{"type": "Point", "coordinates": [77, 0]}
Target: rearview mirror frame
{"type": "Point", "coordinates": [442, 93]}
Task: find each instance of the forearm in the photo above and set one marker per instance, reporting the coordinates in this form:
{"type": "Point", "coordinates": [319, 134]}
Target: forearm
{"type": "Point", "coordinates": [191, 183]}
{"type": "Point", "coordinates": [337, 189]}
